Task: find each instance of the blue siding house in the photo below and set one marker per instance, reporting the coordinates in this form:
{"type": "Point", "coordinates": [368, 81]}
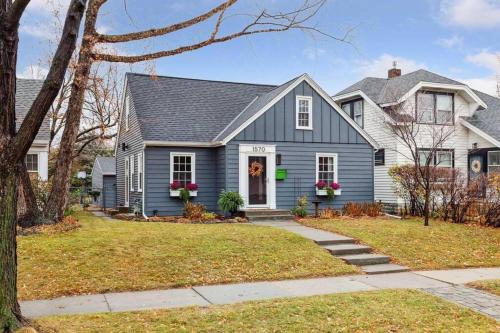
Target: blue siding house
{"type": "Point", "coordinates": [272, 144]}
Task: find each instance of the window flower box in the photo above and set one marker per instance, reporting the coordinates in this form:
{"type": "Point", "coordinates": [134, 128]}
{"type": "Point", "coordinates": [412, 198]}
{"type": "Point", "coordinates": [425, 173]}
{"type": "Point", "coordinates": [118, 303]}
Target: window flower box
{"type": "Point", "coordinates": [176, 193]}
{"type": "Point", "coordinates": [176, 187]}
{"type": "Point", "coordinates": [323, 193]}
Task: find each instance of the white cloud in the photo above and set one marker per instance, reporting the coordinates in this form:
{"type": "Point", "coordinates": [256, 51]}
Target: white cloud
{"type": "Point", "coordinates": [33, 72]}
{"type": "Point", "coordinates": [378, 67]}
{"type": "Point", "coordinates": [48, 6]}
{"type": "Point", "coordinates": [38, 30]}
{"type": "Point", "coordinates": [486, 59]}
{"type": "Point", "coordinates": [487, 85]}
{"type": "Point", "coordinates": [313, 53]}
{"type": "Point", "coordinates": [453, 41]}
{"type": "Point", "coordinates": [471, 13]}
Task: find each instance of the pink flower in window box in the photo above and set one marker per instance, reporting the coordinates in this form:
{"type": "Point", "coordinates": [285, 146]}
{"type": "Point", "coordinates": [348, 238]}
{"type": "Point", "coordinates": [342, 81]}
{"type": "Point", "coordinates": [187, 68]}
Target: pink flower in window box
{"type": "Point", "coordinates": [175, 186]}
{"type": "Point", "coordinates": [335, 186]}
{"type": "Point", "coordinates": [191, 187]}
{"type": "Point", "coordinates": [320, 185]}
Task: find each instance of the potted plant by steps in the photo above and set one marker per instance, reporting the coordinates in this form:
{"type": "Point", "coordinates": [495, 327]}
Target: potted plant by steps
{"type": "Point", "coordinates": [329, 191]}
{"type": "Point", "coordinates": [176, 190]}
{"type": "Point", "coordinates": [230, 202]}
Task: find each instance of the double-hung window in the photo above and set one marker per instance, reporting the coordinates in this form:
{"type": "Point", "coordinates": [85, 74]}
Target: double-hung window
{"type": "Point", "coordinates": [434, 108]}
{"type": "Point", "coordinates": [132, 172]}
{"type": "Point", "coordinates": [31, 161]}
{"type": "Point", "coordinates": [303, 111]}
{"type": "Point", "coordinates": [380, 157]}
{"type": "Point", "coordinates": [139, 171]}
{"type": "Point", "coordinates": [493, 161]}
{"type": "Point", "coordinates": [442, 158]}
{"type": "Point", "coordinates": [326, 168]}
{"type": "Point", "coordinates": [355, 110]}
{"type": "Point", "coordinates": [182, 168]}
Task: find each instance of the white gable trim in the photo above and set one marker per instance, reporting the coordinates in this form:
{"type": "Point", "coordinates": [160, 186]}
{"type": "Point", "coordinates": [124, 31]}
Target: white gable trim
{"type": "Point", "coordinates": [423, 84]}
{"type": "Point", "coordinates": [320, 91]}
{"type": "Point", "coordinates": [360, 93]}
{"type": "Point", "coordinates": [479, 132]}
{"type": "Point", "coordinates": [125, 85]}
{"type": "Point", "coordinates": [96, 163]}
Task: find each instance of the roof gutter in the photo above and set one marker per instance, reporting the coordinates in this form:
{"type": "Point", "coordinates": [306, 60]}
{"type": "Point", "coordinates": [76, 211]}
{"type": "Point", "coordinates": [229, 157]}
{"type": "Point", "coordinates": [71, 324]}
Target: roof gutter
{"type": "Point", "coordinates": [153, 143]}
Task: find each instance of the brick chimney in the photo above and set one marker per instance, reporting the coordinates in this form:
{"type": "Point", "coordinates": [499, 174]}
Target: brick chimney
{"type": "Point", "coordinates": [393, 72]}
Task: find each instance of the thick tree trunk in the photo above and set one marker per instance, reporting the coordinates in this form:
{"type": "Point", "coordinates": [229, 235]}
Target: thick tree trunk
{"type": "Point", "coordinates": [61, 181]}
{"type": "Point", "coordinates": [10, 313]}
{"type": "Point", "coordinates": [27, 208]}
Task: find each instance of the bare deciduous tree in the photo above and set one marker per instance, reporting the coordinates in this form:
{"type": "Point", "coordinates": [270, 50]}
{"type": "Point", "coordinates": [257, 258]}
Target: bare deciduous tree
{"type": "Point", "coordinates": [423, 135]}
{"type": "Point", "coordinates": [94, 43]}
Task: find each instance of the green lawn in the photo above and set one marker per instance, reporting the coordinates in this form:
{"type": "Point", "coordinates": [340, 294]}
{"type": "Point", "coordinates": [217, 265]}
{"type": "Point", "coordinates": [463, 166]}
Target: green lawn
{"type": "Point", "coordinates": [107, 256]}
{"type": "Point", "coordinates": [381, 311]}
{"type": "Point", "coordinates": [492, 286]}
{"type": "Point", "coordinates": [441, 245]}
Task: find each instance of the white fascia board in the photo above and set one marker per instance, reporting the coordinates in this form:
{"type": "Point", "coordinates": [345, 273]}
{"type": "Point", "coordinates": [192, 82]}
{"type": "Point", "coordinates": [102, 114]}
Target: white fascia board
{"type": "Point", "coordinates": [125, 84]}
{"type": "Point", "coordinates": [320, 91]}
{"type": "Point", "coordinates": [444, 86]}
{"type": "Point", "coordinates": [479, 132]}
{"type": "Point", "coordinates": [181, 144]}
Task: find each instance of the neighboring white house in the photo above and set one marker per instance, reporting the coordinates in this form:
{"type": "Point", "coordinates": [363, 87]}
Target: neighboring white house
{"type": "Point", "coordinates": [474, 143]}
{"type": "Point", "coordinates": [37, 159]}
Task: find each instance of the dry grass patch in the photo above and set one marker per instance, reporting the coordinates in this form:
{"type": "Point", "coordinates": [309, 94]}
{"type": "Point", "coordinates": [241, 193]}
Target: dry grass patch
{"type": "Point", "coordinates": [491, 286]}
{"type": "Point", "coordinates": [441, 245]}
{"type": "Point", "coordinates": [380, 311]}
{"type": "Point", "coordinates": [104, 256]}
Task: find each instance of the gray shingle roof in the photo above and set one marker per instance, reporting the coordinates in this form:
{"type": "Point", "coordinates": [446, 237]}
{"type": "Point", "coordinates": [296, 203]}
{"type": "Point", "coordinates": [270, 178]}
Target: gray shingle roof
{"type": "Point", "coordinates": [107, 164]}
{"type": "Point", "coordinates": [180, 109]}
{"type": "Point", "coordinates": [487, 120]}
{"type": "Point", "coordinates": [26, 92]}
{"type": "Point", "coordinates": [383, 91]}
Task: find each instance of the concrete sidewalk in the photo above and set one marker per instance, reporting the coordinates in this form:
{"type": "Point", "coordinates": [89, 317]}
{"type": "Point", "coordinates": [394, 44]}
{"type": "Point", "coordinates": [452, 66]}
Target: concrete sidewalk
{"type": "Point", "coordinates": [241, 292]}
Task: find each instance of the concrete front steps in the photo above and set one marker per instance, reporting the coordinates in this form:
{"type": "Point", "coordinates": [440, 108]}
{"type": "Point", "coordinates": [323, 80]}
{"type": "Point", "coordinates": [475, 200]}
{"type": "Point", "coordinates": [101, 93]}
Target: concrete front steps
{"type": "Point", "coordinates": [259, 215]}
{"type": "Point", "coordinates": [360, 255]}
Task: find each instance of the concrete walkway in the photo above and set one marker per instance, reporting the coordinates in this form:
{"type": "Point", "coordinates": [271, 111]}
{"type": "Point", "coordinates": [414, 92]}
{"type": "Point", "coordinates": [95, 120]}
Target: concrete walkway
{"type": "Point", "coordinates": [241, 292]}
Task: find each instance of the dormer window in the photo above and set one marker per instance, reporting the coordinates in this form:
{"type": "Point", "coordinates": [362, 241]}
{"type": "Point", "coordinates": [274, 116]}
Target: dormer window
{"type": "Point", "coordinates": [435, 108]}
{"type": "Point", "coordinates": [303, 113]}
{"type": "Point", "coordinates": [355, 110]}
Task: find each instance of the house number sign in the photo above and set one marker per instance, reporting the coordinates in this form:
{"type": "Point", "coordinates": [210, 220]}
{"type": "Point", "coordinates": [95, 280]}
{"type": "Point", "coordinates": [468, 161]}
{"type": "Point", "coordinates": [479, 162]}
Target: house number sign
{"type": "Point", "coordinates": [259, 149]}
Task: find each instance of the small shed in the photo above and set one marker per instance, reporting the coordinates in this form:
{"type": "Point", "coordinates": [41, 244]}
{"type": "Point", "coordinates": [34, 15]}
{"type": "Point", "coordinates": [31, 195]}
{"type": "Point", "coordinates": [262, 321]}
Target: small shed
{"type": "Point", "coordinates": [104, 182]}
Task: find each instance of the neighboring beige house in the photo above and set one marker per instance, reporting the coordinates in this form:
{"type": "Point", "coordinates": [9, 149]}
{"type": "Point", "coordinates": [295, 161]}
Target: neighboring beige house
{"type": "Point", "coordinates": [37, 159]}
{"type": "Point", "coordinates": [474, 143]}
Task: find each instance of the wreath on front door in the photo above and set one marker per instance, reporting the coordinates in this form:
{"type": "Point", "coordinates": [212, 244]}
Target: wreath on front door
{"type": "Point", "coordinates": [476, 166]}
{"type": "Point", "coordinates": [255, 169]}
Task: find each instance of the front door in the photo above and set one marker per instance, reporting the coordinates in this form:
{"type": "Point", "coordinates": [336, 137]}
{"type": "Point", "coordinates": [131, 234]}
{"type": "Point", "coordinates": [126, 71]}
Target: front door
{"type": "Point", "coordinates": [257, 180]}
{"type": "Point", "coordinates": [475, 166]}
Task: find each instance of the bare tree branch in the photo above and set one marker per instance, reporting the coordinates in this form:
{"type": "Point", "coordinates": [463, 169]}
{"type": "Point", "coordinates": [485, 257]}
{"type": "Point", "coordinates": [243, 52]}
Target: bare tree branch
{"type": "Point", "coordinates": [102, 38]}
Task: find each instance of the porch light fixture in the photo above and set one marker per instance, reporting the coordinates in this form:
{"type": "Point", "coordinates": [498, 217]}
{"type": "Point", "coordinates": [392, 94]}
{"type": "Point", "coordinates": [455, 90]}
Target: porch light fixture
{"type": "Point", "coordinates": [278, 159]}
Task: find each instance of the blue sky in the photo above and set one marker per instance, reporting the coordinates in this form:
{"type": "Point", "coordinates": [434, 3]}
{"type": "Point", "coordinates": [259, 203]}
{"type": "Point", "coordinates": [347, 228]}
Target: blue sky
{"type": "Point", "coordinates": [455, 38]}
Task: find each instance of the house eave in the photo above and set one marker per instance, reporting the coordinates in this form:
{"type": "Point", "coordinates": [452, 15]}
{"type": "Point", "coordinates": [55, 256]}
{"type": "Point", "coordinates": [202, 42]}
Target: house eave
{"type": "Point", "coordinates": [479, 132]}
{"type": "Point", "coordinates": [194, 144]}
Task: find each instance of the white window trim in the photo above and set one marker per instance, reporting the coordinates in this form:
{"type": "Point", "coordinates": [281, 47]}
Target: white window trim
{"type": "Point", "coordinates": [132, 172]}
{"type": "Point", "coordinates": [37, 162]}
{"type": "Point", "coordinates": [139, 171]}
{"type": "Point", "coordinates": [310, 111]}
{"type": "Point", "coordinates": [193, 165]}
{"type": "Point", "coordinates": [335, 165]}
{"type": "Point", "coordinates": [127, 188]}
{"type": "Point", "coordinates": [127, 112]}
{"type": "Point", "coordinates": [493, 165]}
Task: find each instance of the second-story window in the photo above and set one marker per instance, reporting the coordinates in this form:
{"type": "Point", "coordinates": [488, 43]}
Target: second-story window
{"type": "Point", "coordinates": [435, 108]}
{"type": "Point", "coordinates": [304, 112]}
{"type": "Point", "coordinates": [355, 110]}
